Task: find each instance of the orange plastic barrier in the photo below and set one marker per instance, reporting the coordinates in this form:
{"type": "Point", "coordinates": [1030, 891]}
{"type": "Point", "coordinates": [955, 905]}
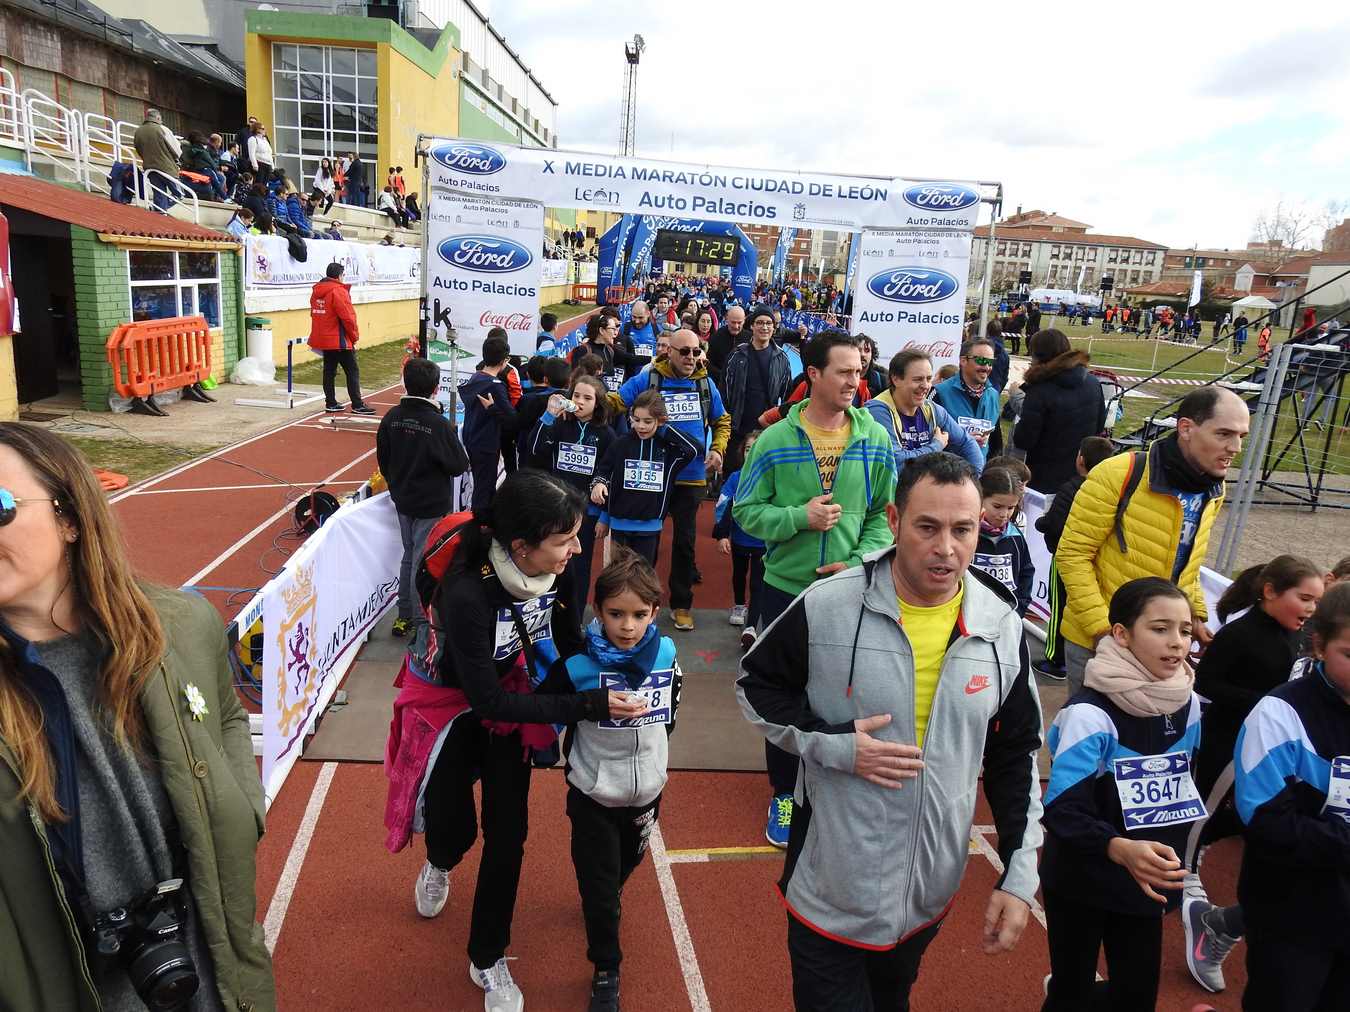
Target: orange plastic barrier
{"type": "Point", "coordinates": [583, 293]}
{"type": "Point", "coordinates": [157, 355]}
{"type": "Point", "coordinates": [110, 480]}
{"type": "Point", "coordinates": [617, 294]}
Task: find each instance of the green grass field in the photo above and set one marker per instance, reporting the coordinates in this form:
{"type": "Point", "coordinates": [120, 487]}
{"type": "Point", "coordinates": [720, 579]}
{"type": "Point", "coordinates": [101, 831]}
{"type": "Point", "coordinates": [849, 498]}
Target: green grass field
{"type": "Point", "coordinates": [380, 366]}
{"type": "Point", "coordinates": [133, 457]}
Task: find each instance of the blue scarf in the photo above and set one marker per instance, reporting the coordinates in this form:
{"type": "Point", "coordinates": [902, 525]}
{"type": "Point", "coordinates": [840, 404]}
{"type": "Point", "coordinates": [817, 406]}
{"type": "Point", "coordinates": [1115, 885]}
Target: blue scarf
{"type": "Point", "coordinates": [634, 664]}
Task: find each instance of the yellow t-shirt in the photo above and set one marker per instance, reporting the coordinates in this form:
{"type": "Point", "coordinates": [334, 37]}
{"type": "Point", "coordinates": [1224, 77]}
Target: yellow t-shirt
{"type": "Point", "coordinates": [828, 446]}
{"type": "Point", "coordinates": [928, 630]}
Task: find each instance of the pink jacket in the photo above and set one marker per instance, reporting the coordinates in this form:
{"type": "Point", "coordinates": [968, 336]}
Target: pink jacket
{"type": "Point", "coordinates": [421, 713]}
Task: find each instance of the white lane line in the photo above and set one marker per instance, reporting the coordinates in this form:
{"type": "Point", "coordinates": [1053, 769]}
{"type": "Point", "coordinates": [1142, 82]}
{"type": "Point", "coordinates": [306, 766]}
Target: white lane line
{"type": "Point", "coordinates": [197, 577]}
{"type": "Point", "coordinates": [290, 874]}
{"type": "Point", "coordinates": [991, 855]}
{"type": "Point", "coordinates": [679, 928]}
{"type": "Point", "coordinates": [303, 485]}
{"type": "Point", "coordinates": [174, 471]}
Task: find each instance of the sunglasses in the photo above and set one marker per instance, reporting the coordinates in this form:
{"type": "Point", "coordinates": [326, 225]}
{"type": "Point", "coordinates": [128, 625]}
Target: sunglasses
{"type": "Point", "coordinates": [695, 351]}
{"type": "Point", "coordinates": [981, 360]}
{"type": "Point", "coordinates": [10, 503]}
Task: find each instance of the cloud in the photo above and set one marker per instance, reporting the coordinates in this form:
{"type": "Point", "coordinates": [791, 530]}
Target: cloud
{"type": "Point", "coordinates": [1177, 124]}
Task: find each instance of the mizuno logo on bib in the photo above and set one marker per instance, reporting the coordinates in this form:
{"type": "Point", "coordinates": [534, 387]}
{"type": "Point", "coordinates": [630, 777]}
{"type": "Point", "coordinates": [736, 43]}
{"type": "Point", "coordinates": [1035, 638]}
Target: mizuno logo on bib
{"type": "Point", "coordinates": [644, 475]}
{"type": "Point", "coordinates": [655, 690]}
{"type": "Point", "coordinates": [576, 458]}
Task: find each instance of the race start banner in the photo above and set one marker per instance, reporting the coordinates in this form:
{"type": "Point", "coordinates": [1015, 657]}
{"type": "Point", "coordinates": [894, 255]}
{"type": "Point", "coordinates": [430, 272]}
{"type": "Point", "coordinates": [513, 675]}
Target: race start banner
{"type": "Point", "coordinates": [911, 291]}
{"type": "Point", "coordinates": [484, 264]}
{"type": "Point", "coordinates": [627, 185]}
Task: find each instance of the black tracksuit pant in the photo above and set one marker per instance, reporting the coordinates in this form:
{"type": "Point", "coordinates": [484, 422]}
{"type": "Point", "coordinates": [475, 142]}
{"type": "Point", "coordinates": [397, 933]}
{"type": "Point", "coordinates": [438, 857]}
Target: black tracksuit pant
{"type": "Point", "coordinates": [503, 767]}
{"type": "Point", "coordinates": [1289, 975]}
{"type": "Point", "coordinates": [782, 766]}
{"type": "Point", "coordinates": [347, 359]}
{"type": "Point", "coordinates": [684, 503]}
{"type": "Point", "coordinates": [607, 844]}
{"type": "Point", "coordinates": [483, 464]}
{"type": "Point", "coordinates": [830, 976]}
{"type": "Point", "coordinates": [1077, 932]}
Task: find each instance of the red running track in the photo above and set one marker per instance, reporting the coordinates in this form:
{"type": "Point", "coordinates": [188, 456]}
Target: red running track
{"type": "Point", "coordinates": [702, 925]}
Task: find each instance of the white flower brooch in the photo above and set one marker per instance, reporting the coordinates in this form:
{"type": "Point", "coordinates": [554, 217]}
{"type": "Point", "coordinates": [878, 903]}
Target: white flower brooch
{"type": "Point", "coordinates": [196, 701]}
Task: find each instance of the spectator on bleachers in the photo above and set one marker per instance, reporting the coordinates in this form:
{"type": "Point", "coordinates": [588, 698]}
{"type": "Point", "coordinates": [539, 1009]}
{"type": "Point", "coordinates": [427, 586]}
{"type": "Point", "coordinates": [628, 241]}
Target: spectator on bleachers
{"type": "Point", "coordinates": [240, 224]}
{"type": "Point", "coordinates": [295, 209]}
{"type": "Point", "coordinates": [388, 240]}
{"type": "Point", "coordinates": [225, 159]}
{"type": "Point", "coordinates": [256, 201]}
{"type": "Point", "coordinates": [388, 203]}
{"type": "Point", "coordinates": [324, 184]}
{"type": "Point", "coordinates": [333, 232]}
{"type": "Point", "coordinates": [200, 158]}
{"type": "Point", "coordinates": [260, 152]}
{"type": "Point", "coordinates": [410, 206]}
{"type": "Point", "coordinates": [159, 151]}
{"type": "Point", "coordinates": [241, 138]}
{"type": "Point", "coordinates": [276, 207]}
{"type": "Point", "coordinates": [355, 192]}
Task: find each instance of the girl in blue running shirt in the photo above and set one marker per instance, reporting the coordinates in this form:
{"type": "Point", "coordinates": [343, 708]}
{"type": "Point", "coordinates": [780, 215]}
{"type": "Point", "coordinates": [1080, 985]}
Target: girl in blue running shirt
{"type": "Point", "coordinates": [1118, 804]}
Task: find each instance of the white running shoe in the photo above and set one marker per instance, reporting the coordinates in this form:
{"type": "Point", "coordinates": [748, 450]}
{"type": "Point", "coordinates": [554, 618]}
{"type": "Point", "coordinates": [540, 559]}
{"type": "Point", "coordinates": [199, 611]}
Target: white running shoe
{"type": "Point", "coordinates": [500, 993]}
{"type": "Point", "coordinates": [432, 890]}
{"type": "Point", "coordinates": [748, 637]}
{"type": "Point", "coordinates": [737, 614]}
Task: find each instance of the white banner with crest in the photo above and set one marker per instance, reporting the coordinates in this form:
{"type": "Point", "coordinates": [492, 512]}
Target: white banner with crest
{"type": "Point", "coordinates": [911, 291]}
{"type": "Point", "coordinates": [268, 262]}
{"type": "Point", "coordinates": [484, 258]}
{"type": "Point", "coordinates": [316, 614]}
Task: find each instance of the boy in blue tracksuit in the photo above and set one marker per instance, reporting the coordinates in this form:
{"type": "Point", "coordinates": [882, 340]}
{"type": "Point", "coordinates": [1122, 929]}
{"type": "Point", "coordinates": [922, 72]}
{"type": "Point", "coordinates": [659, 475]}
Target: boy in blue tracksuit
{"type": "Point", "coordinates": [634, 479]}
{"type": "Point", "coordinates": [747, 556]}
{"type": "Point", "coordinates": [487, 407]}
{"type": "Point", "coordinates": [1292, 790]}
{"type": "Point", "coordinates": [616, 769]}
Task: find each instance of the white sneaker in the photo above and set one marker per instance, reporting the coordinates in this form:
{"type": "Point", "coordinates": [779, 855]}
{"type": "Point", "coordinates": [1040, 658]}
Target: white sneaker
{"type": "Point", "coordinates": [748, 636]}
{"type": "Point", "coordinates": [500, 993]}
{"type": "Point", "coordinates": [432, 890]}
{"type": "Point", "coordinates": [737, 614]}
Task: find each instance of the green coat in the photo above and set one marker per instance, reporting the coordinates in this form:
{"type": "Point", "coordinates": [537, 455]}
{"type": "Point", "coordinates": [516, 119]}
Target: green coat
{"type": "Point", "coordinates": [780, 476]}
{"type": "Point", "coordinates": [212, 781]}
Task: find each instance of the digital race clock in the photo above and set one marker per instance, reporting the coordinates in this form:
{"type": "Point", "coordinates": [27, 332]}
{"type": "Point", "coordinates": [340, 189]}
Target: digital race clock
{"type": "Point", "coordinates": [696, 248]}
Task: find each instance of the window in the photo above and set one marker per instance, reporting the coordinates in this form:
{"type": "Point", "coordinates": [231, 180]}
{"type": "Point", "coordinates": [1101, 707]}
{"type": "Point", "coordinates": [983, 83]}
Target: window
{"type": "Point", "coordinates": [1026, 249]}
{"type": "Point", "coordinates": [1112, 256]}
{"type": "Point", "coordinates": [1054, 252]}
{"type": "Point", "coordinates": [1186, 262]}
{"type": "Point", "coordinates": [1002, 248]}
{"type": "Point", "coordinates": [1151, 257]}
{"type": "Point", "coordinates": [324, 105]}
{"type": "Point", "coordinates": [1138, 257]}
{"type": "Point", "coordinates": [165, 284]}
{"type": "Point", "coordinates": [1199, 261]}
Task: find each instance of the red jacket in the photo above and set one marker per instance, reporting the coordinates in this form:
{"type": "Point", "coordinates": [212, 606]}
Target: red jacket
{"type": "Point", "coordinates": [332, 319]}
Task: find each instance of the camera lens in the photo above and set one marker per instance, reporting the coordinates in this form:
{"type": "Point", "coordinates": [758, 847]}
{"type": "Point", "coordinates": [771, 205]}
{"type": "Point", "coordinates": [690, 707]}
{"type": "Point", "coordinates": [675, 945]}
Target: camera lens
{"type": "Point", "coordinates": [163, 974]}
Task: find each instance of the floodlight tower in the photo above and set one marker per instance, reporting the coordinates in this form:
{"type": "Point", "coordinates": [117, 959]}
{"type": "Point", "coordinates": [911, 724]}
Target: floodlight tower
{"type": "Point", "coordinates": [632, 52]}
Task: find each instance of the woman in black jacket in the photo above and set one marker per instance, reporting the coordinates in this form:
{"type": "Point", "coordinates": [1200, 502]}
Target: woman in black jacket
{"type": "Point", "coordinates": [1247, 658]}
{"type": "Point", "coordinates": [504, 615]}
{"type": "Point", "coordinates": [1063, 404]}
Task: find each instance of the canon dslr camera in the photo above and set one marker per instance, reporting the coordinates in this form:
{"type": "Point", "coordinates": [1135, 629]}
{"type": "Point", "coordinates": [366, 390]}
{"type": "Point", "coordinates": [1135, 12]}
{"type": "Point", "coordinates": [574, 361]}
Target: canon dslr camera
{"type": "Point", "coordinates": [147, 940]}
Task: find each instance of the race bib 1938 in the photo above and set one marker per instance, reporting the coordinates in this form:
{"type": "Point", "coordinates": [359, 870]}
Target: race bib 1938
{"type": "Point", "coordinates": [1157, 790]}
{"type": "Point", "coordinates": [576, 458]}
{"type": "Point", "coordinates": [644, 475]}
{"type": "Point", "coordinates": [655, 691]}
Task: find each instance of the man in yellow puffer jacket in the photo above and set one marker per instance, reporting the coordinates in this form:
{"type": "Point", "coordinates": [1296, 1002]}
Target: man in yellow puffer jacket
{"type": "Point", "coordinates": [1161, 528]}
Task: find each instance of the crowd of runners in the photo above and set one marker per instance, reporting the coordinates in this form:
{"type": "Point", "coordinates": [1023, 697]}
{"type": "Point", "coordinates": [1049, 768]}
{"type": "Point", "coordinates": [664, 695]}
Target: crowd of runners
{"type": "Point", "coordinates": [873, 516]}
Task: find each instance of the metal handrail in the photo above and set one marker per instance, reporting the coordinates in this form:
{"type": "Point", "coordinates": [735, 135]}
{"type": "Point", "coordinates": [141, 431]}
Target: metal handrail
{"type": "Point", "coordinates": [146, 188]}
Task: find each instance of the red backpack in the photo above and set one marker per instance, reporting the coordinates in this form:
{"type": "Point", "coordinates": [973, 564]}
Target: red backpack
{"type": "Point", "coordinates": [442, 544]}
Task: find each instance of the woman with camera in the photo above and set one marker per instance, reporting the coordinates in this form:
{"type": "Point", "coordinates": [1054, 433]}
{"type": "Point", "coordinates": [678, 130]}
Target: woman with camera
{"type": "Point", "coordinates": [130, 805]}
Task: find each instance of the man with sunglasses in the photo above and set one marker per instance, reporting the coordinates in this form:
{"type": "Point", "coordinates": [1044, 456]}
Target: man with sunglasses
{"type": "Point", "coordinates": [969, 397]}
{"type": "Point", "coordinates": [694, 406]}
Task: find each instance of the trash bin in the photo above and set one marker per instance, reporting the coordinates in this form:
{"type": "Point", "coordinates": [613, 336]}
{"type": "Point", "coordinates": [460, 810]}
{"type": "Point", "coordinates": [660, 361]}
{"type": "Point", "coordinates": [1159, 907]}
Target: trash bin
{"type": "Point", "coordinates": [258, 334]}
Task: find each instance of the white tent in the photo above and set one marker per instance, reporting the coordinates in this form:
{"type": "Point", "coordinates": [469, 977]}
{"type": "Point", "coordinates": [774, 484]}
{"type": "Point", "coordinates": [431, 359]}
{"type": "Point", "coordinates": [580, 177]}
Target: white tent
{"type": "Point", "coordinates": [1254, 302]}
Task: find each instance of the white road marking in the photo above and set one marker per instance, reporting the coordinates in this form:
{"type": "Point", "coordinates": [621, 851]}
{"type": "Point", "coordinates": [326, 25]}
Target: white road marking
{"type": "Point", "coordinates": [245, 488]}
{"type": "Point", "coordinates": [290, 874]}
{"type": "Point", "coordinates": [679, 928]}
{"type": "Point", "coordinates": [991, 855]}
{"type": "Point", "coordinates": [201, 574]}
{"type": "Point", "coordinates": [150, 482]}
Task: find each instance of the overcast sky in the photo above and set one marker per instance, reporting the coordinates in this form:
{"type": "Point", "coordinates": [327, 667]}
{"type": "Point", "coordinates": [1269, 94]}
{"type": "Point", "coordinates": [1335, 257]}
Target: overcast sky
{"type": "Point", "coordinates": [1174, 122]}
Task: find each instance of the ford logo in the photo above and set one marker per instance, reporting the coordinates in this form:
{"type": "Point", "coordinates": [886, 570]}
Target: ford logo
{"type": "Point", "coordinates": [486, 254]}
{"type": "Point", "coordinates": [940, 197]}
{"type": "Point", "coordinates": [1156, 764]}
{"type": "Point", "coordinates": [477, 159]}
{"type": "Point", "coordinates": [913, 284]}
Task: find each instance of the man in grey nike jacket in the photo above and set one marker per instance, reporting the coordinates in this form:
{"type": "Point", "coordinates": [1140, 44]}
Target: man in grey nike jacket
{"type": "Point", "coordinates": [897, 683]}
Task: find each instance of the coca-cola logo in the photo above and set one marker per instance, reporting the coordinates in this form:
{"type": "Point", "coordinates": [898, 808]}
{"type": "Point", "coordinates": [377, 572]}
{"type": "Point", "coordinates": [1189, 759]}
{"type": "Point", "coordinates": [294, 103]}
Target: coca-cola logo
{"type": "Point", "coordinates": [936, 349]}
{"type": "Point", "coordinates": [507, 321]}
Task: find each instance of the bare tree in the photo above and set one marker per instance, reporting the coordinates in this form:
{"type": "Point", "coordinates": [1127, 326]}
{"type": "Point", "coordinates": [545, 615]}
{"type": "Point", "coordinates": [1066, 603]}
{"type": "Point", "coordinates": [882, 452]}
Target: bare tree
{"type": "Point", "coordinates": [1292, 225]}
